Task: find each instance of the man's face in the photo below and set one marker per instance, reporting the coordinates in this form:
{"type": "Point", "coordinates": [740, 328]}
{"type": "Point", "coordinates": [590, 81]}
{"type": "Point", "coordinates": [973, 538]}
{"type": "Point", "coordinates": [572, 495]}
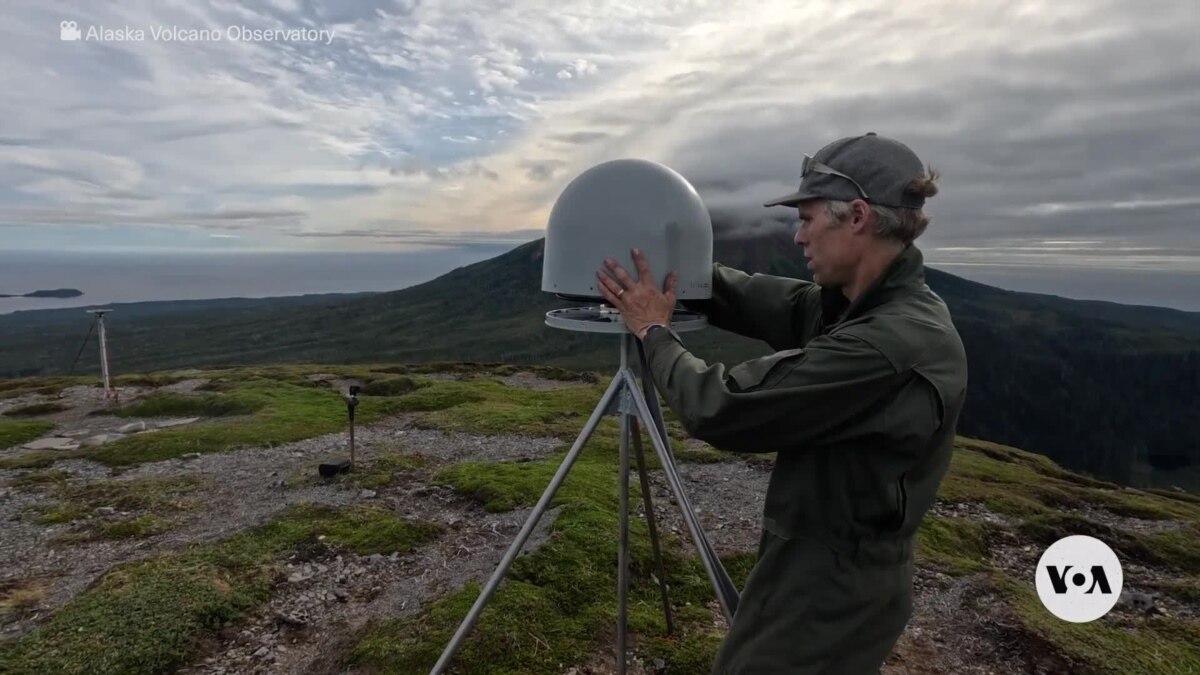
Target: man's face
{"type": "Point", "coordinates": [828, 247]}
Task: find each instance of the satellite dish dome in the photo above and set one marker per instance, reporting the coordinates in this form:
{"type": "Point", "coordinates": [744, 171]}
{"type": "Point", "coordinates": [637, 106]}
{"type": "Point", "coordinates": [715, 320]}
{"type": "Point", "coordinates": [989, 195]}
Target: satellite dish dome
{"type": "Point", "coordinates": [623, 204]}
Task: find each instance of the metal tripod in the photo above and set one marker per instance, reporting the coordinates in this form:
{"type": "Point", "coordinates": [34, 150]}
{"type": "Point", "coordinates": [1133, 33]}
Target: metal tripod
{"type": "Point", "coordinates": [110, 394]}
{"type": "Point", "coordinates": [624, 399]}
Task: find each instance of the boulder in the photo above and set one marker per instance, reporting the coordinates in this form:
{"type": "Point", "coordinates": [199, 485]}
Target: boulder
{"type": "Point", "coordinates": [132, 427]}
{"type": "Point", "coordinates": [100, 439]}
{"type": "Point", "coordinates": [52, 443]}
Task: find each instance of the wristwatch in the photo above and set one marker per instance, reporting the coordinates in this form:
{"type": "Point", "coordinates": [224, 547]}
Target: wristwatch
{"type": "Point", "coordinates": [652, 327]}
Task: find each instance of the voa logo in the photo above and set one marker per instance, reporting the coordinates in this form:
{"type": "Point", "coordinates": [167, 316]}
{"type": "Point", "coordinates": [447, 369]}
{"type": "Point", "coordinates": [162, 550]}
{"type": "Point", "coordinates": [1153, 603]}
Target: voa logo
{"type": "Point", "coordinates": [1079, 579]}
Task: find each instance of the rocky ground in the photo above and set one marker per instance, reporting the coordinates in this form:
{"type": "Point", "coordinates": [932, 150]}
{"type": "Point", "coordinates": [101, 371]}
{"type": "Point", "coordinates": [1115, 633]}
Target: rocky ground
{"type": "Point", "coordinates": [327, 595]}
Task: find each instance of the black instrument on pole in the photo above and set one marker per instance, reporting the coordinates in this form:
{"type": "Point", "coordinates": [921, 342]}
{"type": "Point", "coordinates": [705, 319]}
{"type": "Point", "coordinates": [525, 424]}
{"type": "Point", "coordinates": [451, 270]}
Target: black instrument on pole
{"type": "Point", "coordinates": [331, 469]}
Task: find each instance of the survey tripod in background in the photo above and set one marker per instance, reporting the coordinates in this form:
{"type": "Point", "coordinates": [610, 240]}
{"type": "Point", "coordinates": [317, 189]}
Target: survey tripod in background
{"type": "Point", "coordinates": [110, 394]}
{"type": "Point", "coordinates": [637, 409]}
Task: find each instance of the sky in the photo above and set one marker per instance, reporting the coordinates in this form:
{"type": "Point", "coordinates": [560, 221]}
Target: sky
{"type": "Point", "coordinates": [1066, 132]}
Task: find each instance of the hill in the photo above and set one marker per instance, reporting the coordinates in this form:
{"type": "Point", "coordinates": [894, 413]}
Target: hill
{"type": "Point", "coordinates": [1099, 387]}
{"type": "Point", "coordinates": [53, 293]}
{"type": "Point", "coordinates": [186, 530]}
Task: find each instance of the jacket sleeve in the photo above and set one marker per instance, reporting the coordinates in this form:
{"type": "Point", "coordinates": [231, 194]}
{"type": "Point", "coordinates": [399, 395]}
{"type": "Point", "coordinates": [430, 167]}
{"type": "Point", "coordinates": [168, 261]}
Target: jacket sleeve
{"type": "Point", "coordinates": [786, 402]}
{"type": "Point", "coordinates": [759, 306]}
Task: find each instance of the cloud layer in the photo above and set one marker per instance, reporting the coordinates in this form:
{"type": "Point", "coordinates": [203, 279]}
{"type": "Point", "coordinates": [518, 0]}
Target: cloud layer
{"type": "Point", "coordinates": [451, 121]}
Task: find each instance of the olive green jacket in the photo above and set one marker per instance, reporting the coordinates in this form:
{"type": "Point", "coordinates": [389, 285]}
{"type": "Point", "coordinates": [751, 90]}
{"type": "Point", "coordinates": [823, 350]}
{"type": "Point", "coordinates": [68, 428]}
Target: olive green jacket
{"type": "Point", "coordinates": [860, 401]}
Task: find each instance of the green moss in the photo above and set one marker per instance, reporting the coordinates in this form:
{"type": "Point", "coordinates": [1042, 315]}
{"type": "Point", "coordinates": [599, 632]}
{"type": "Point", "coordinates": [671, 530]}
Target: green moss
{"type": "Point", "coordinates": [1176, 549]}
{"type": "Point", "coordinates": [59, 513]}
{"type": "Point", "coordinates": [499, 487]}
{"type": "Point", "coordinates": [440, 396]}
{"type": "Point", "coordinates": [393, 386]}
{"type": "Point", "coordinates": [368, 529]}
{"type": "Point", "coordinates": [138, 527]}
{"type": "Point", "coordinates": [702, 455]}
{"type": "Point", "coordinates": [146, 379]}
{"type": "Point", "coordinates": [955, 545]}
{"type": "Point", "coordinates": [1165, 646]}
{"type": "Point", "coordinates": [285, 413]}
{"type": "Point", "coordinates": [36, 409]}
{"type": "Point", "coordinates": [1181, 590]}
{"type": "Point", "coordinates": [38, 459]}
{"type": "Point", "coordinates": [45, 386]}
{"type": "Point", "coordinates": [1008, 500]}
{"type": "Point", "coordinates": [1175, 495]}
{"type": "Point", "coordinates": [18, 432]}
{"type": "Point", "coordinates": [558, 604]}
{"type": "Point", "coordinates": [489, 407]}
{"type": "Point", "coordinates": [497, 369]}
{"type": "Point", "coordinates": [206, 405]}
{"type": "Point", "coordinates": [150, 616]}
{"type": "Point", "coordinates": [1022, 485]}
{"type": "Point", "coordinates": [1180, 549]}
{"type": "Point", "coordinates": [142, 494]}
{"type": "Point", "coordinates": [1137, 504]}
{"type": "Point", "coordinates": [157, 496]}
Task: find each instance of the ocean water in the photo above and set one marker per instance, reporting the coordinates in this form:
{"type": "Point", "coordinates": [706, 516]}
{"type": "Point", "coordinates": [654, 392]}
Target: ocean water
{"type": "Point", "coordinates": [134, 277]}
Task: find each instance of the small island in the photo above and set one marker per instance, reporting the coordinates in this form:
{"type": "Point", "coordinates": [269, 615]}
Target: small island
{"type": "Point", "coordinates": [55, 293]}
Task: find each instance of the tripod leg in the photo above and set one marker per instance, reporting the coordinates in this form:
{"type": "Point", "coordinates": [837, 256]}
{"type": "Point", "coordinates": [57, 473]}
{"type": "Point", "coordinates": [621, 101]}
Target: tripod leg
{"type": "Point", "coordinates": [623, 547]}
{"type": "Point", "coordinates": [728, 589]}
{"type": "Point", "coordinates": [527, 529]}
{"type": "Point", "coordinates": [722, 585]}
{"type": "Point", "coordinates": [649, 502]}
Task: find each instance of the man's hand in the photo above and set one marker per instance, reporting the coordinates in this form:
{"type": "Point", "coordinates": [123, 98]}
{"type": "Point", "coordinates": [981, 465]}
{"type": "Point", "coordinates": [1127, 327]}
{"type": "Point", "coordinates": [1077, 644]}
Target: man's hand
{"type": "Point", "coordinates": [640, 302]}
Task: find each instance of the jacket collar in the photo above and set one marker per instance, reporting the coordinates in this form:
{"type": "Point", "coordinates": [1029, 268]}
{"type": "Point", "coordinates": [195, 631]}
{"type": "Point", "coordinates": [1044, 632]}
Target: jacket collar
{"type": "Point", "coordinates": [904, 275]}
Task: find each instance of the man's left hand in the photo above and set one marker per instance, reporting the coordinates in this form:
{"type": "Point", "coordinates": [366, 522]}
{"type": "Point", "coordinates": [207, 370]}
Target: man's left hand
{"type": "Point", "coordinates": [640, 302]}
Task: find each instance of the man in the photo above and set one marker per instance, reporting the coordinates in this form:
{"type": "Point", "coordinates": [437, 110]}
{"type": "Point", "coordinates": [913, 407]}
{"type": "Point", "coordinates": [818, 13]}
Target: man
{"type": "Point", "coordinates": [860, 401]}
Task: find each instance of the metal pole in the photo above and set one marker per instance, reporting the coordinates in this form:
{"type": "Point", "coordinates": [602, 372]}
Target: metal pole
{"type": "Point", "coordinates": [623, 545]}
{"type": "Point", "coordinates": [649, 503]}
{"type": "Point", "coordinates": [104, 356]}
{"type": "Point", "coordinates": [651, 399]}
{"type": "Point", "coordinates": [530, 522]}
{"type": "Point", "coordinates": [712, 565]}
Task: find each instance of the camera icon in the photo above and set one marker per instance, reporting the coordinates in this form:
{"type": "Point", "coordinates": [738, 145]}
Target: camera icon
{"type": "Point", "coordinates": [69, 30]}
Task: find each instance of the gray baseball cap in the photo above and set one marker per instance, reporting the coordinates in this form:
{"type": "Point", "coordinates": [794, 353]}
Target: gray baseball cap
{"type": "Point", "coordinates": [870, 167]}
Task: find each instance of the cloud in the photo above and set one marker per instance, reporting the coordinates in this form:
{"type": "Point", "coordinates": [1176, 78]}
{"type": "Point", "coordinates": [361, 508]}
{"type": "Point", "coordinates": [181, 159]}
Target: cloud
{"type": "Point", "coordinates": [541, 170]}
{"type": "Point", "coordinates": [1048, 120]}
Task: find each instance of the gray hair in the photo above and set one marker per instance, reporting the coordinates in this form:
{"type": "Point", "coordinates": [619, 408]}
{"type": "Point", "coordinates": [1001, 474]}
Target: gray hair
{"type": "Point", "coordinates": [903, 225]}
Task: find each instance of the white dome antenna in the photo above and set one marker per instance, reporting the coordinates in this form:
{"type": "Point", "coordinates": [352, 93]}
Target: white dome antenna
{"type": "Point", "coordinates": [623, 204]}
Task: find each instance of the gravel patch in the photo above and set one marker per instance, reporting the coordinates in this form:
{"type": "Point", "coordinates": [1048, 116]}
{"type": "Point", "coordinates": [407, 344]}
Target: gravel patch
{"type": "Point", "coordinates": [247, 487]}
{"type": "Point", "coordinates": [727, 497]}
{"type": "Point", "coordinates": [328, 597]}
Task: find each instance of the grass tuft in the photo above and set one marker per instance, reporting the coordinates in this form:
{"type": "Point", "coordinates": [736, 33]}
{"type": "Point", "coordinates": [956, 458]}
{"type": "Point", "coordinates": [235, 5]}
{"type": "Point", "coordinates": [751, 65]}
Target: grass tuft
{"type": "Point", "coordinates": [18, 432]}
{"type": "Point", "coordinates": [957, 546]}
{"type": "Point", "coordinates": [393, 386]}
{"type": "Point", "coordinates": [203, 405]}
{"type": "Point", "coordinates": [18, 596]}
{"type": "Point", "coordinates": [157, 497]}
